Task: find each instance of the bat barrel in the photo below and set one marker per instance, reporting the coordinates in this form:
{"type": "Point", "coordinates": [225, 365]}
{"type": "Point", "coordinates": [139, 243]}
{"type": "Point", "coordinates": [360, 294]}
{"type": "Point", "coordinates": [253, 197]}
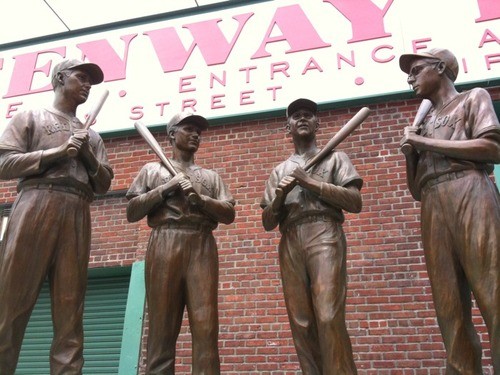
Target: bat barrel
{"type": "Point", "coordinates": [342, 134]}
{"type": "Point", "coordinates": [72, 152]}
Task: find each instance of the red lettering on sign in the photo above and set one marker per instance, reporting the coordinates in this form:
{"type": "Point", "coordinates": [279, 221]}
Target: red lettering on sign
{"type": "Point", "coordinates": [185, 84]}
{"type": "Point", "coordinates": [207, 36]}
{"type": "Point", "coordinates": [492, 59]}
{"type": "Point", "coordinates": [103, 54]}
{"type": "Point", "coordinates": [245, 97]}
{"type": "Point", "coordinates": [189, 104]}
{"type": "Point", "coordinates": [216, 101]}
{"type": "Point", "coordinates": [13, 107]}
{"type": "Point", "coordinates": [488, 37]}
{"type": "Point", "coordinates": [25, 68]}
{"type": "Point", "coordinates": [367, 20]}
{"type": "Point", "coordinates": [296, 30]}
{"type": "Point", "coordinates": [488, 9]}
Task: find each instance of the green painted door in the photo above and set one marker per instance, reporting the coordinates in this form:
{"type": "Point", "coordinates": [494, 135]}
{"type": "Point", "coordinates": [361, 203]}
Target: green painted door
{"type": "Point", "coordinates": [104, 317]}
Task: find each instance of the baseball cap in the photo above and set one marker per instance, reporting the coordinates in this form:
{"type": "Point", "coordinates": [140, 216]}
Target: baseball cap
{"type": "Point", "coordinates": [440, 54]}
{"type": "Point", "coordinates": [187, 116]}
{"type": "Point", "coordinates": [93, 70]}
{"type": "Point", "coordinates": [301, 103]}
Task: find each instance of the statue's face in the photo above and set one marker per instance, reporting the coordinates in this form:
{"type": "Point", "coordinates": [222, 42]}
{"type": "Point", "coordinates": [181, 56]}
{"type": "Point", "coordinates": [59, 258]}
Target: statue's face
{"type": "Point", "coordinates": [187, 137]}
{"type": "Point", "coordinates": [76, 85]}
{"type": "Point", "coordinates": [424, 77]}
{"type": "Point", "coordinates": [303, 123]}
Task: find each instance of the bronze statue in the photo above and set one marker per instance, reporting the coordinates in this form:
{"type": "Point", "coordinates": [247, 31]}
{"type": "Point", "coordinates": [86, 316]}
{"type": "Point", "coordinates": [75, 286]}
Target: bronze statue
{"type": "Point", "coordinates": [181, 260]}
{"type": "Point", "coordinates": [48, 234]}
{"type": "Point", "coordinates": [312, 250]}
{"type": "Point", "coordinates": [448, 165]}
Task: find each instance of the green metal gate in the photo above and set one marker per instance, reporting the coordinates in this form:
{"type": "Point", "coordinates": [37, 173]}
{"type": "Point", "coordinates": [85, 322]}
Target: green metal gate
{"type": "Point", "coordinates": [104, 316]}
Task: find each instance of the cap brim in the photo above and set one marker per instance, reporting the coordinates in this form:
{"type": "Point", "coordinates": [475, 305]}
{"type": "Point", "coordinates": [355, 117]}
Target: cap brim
{"type": "Point", "coordinates": [406, 60]}
{"type": "Point", "coordinates": [199, 121]}
{"type": "Point", "coordinates": [301, 103]}
{"type": "Point", "coordinates": [93, 70]}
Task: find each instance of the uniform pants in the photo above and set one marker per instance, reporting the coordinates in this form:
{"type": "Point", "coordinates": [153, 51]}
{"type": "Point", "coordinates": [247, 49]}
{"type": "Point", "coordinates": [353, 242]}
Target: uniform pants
{"type": "Point", "coordinates": [48, 236]}
{"type": "Point", "coordinates": [461, 232]}
{"type": "Point", "coordinates": [182, 270]}
{"type": "Point", "coordinates": [313, 270]}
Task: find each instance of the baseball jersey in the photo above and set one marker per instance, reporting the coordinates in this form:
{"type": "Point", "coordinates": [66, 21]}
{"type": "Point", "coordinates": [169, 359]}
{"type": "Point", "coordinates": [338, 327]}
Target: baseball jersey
{"type": "Point", "coordinates": [176, 208]}
{"type": "Point", "coordinates": [31, 132]}
{"type": "Point", "coordinates": [336, 169]}
{"type": "Point", "coordinates": [469, 115]}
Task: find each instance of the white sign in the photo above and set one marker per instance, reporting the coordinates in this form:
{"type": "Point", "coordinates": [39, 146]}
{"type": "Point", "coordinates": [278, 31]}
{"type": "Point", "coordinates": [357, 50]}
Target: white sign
{"type": "Point", "coordinates": [257, 58]}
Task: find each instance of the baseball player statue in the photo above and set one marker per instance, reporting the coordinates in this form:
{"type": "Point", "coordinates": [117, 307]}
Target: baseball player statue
{"type": "Point", "coordinates": [312, 250]}
{"type": "Point", "coordinates": [448, 168]}
{"type": "Point", "coordinates": [48, 234]}
{"type": "Point", "coordinates": [181, 259]}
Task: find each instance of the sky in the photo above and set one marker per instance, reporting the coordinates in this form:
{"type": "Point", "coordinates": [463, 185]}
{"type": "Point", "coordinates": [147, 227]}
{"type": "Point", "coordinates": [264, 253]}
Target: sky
{"type": "Point", "coordinates": [26, 19]}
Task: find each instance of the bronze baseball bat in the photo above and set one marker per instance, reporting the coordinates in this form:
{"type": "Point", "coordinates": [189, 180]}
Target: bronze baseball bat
{"type": "Point", "coordinates": [72, 152]}
{"type": "Point", "coordinates": [339, 137]}
{"type": "Point", "coordinates": [342, 134]}
{"type": "Point", "coordinates": [155, 146]}
{"type": "Point", "coordinates": [422, 112]}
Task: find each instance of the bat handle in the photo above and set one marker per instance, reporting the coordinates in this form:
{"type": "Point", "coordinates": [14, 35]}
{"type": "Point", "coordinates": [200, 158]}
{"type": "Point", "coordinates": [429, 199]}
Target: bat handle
{"type": "Point", "coordinates": [194, 198]}
{"type": "Point", "coordinates": [407, 148]}
{"type": "Point", "coordinates": [72, 152]}
{"type": "Point", "coordinates": [279, 193]}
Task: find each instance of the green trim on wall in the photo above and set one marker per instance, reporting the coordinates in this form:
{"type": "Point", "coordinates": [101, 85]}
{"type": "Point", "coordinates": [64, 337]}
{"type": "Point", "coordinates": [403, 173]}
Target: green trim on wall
{"type": "Point", "coordinates": [132, 327]}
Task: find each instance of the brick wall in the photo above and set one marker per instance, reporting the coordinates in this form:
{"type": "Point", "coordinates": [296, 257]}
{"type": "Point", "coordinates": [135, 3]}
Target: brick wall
{"type": "Point", "coordinates": [390, 315]}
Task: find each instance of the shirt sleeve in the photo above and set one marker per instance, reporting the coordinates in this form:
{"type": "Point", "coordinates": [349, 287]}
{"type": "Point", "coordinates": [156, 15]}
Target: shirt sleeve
{"type": "Point", "coordinates": [345, 173]}
{"type": "Point", "coordinates": [18, 134]}
{"type": "Point", "coordinates": [100, 152]}
{"type": "Point", "coordinates": [139, 184]}
{"type": "Point", "coordinates": [270, 190]}
{"type": "Point", "coordinates": [16, 158]}
{"type": "Point", "coordinates": [481, 118]}
{"type": "Point", "coordinates": [223, 193]}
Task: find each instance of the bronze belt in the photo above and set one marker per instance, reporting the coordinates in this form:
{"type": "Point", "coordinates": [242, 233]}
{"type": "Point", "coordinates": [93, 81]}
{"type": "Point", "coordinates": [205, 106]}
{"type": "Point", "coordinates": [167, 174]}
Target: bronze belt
{"type": "Point", "coordinates": [186, 225]}
{"type": "Point", "coordinates": [59, 188]}
{"type": "Point", "coordinates": [443, 178]}
{"type": "Point", "coordinates": [308, 219]}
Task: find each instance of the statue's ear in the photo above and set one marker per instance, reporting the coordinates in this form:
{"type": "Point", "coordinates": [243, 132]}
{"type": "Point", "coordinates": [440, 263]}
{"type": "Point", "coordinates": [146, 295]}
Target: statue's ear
{"type": "Point", "coordinates": [441, 67]}
{"type": "Point", "coordinates": [60, 78]}
{"type": "Point", "coordinates": [171, 135]}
